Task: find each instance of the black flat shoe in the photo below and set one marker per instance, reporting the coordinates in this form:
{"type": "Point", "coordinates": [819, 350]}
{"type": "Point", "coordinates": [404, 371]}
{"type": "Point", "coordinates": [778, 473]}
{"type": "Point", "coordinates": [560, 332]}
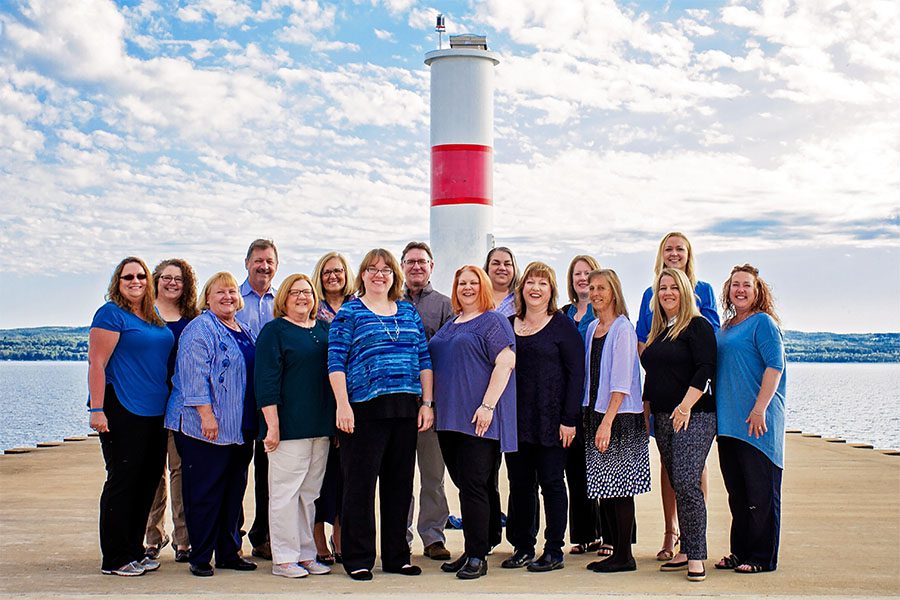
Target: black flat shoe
{"type": "Point", "coordinates": [361, 575]}
{"type": "Point", "coordinates": [411, 570]}
{"type": "Point", "coordinates": [237, 563]}
{"type": "Point", "coordinates": [325, 559]}
{"type": "Point", "coordinates": [473, 569]}
{"type": "Point", "coordinates": [202, 570]}
{"type": "Point", "coordinates": [606, 566]}
{"type": "Point", "coordinates": [182, 556]}
{"type": "Point", "coordinates": [456, 565]}
{"type": "Point", "coordinates": [518, 560]}
{"type": "Point", "coordinates": [546, 562]}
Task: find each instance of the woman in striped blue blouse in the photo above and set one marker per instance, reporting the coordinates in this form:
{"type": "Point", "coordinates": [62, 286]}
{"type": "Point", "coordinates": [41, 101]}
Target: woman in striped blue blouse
{"type": "Point", "coordinates": [380, 371]}
{"type": "Point", "coordinates": [213, 413]}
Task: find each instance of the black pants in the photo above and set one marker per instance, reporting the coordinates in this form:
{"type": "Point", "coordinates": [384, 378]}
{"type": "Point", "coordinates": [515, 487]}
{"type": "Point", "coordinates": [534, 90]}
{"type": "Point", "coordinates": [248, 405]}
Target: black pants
{"type": "Point", "coordinates": [585, 524]}
{"type": "Point", "coordinates": [213, 482]}
{"type": "Point", "coordinates": [473, 463]}
{"type": "Point", "coordinates": [259, 531]}
{"type": "Point", "coordinates": [382, 451]}
{"type": "Point", "coordinates": [328, 504]}
{"type": "Point", "coordinates": [753, 483]}
{"type": "Point", "coordinates": [620, 517]}
{"type": "Point", "coordinates": [542, 466]}
{"type": "Point", "coordinates": [134, 450]}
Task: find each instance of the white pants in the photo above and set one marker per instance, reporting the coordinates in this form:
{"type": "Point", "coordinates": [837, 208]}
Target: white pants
{"type": "Point", "coordinates": [296, 470]}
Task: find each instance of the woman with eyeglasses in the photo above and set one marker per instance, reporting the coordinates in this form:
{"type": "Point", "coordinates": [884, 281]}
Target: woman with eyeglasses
{"type": "Point", "coordinates": [175, 285]}
{"type": "Point", "coordinates": [212, 411]}
{"type": "Point", "coordinates": [128, 349]}
{"type": "Point", "coordinates": [292, 390]}
{"type": "Point", "coordinates": [380, 371]}
{"type": "Point", "coordinates": [333, 281]}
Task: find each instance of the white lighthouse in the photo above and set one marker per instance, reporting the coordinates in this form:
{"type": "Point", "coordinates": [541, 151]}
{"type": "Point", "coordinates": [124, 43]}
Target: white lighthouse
{"type": "Point", "coordinates": [462, 155]}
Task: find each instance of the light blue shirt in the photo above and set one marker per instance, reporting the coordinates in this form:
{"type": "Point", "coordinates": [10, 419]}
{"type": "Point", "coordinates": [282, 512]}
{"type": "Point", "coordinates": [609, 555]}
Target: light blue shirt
{"type": "Point", "coordinates": [746, 350]}
{"type": "Point", "coordinates": [620, 367]}
{"type": "Point", "coordinates": [209, 369]}
{"type": "Point", "coordinates": [507, 306]}
{"type": "Point", "coordinates": [258, 310]}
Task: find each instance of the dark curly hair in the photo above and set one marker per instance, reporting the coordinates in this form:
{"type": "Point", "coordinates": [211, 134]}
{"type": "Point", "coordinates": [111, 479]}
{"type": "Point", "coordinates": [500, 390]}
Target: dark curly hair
{"type": "Point", "coordinates": [187, 304]}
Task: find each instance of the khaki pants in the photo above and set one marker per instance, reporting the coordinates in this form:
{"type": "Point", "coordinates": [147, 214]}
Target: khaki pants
{"type": "Point", "coordinates": [156, 530]}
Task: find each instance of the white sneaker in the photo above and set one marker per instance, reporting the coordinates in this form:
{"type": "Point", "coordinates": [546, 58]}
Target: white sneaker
{"type": "Point", "coordinates": [132, 569]}
{"type": "Point", "coordinates": [292, 570]}
{"type": "Point", "coordinates": [315, 567]}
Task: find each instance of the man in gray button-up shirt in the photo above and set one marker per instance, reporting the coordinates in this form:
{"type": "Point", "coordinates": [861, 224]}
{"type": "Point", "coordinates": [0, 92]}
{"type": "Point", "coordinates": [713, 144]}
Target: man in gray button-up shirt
{"type": "Point", "coordinates": [434, 310]}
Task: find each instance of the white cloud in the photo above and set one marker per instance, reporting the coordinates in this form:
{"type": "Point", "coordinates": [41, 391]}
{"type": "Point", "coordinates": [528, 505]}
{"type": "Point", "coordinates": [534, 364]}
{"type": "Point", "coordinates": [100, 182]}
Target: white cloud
{"type": "Point", "coordinates": [385, 36]}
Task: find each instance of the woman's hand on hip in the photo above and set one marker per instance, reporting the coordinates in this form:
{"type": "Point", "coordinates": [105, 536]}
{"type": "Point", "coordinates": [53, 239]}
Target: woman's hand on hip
{"type": "Point", "coordinates": [566, 435]}
{"type": "Point", "coordinates": [99, 422]}
{"type": "Point", "coordinates": [344, 418]}
{"type": "Point", "coordinates": [426, 418]}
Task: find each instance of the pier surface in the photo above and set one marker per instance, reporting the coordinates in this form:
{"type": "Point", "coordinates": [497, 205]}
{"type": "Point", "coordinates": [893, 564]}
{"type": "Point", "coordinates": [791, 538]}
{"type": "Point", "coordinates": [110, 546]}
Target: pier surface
{"type": "Point", "coordinates": [840, 539]}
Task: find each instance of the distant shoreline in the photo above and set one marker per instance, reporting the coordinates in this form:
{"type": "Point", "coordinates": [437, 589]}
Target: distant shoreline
{"type": "Point", "coordinates": [71, 344]}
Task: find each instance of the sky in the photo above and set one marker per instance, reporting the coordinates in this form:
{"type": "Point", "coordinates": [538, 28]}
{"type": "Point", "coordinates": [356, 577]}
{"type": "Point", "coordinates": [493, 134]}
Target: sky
{"type": "Point", "coordinates": [768, 132]}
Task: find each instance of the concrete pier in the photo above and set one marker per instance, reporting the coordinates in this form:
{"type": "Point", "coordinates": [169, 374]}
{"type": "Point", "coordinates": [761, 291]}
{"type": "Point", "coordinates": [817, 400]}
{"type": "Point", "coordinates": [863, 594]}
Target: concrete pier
{"type": "Point", "coordinates": [840, 538]}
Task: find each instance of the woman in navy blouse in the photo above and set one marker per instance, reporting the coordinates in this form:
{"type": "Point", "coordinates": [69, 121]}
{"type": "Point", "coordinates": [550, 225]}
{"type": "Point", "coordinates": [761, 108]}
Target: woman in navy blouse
{"type": "Point", "coordinates": [549, 384]}
{"type": "Point", "coordinates": [380, 371]}
{"type": "Point", "coordinates": [128, 348]}
{"type": "Point", "coordinates": [212, 411]}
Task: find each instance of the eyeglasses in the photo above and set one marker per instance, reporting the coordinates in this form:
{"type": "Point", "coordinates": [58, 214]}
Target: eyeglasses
{"type": "Point", "coordinates": [386, 271]}
{"type": "Point", "coordinates": [295, 293]}
{"type": "Point", "coordinates": [329, 272]}
{"type": "Point", "coordinates": [421, 262]}
{"type": "Point", "coordinates": [139, 276]}
{"type": "Point", "coordinates": [171, 278]}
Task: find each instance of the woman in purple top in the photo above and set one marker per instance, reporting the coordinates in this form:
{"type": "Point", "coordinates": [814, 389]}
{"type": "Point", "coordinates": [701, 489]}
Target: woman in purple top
{"type": "Point", "coordinates": [175, 285]}
{"type": "Point", "coordinates": [475, 407]}
{"type": "Point", "coordinates": [549, 384]}
{"type": "Point", "coordinates": [333, 282]}
{"type": "Point", "coordinates": [127, 351]}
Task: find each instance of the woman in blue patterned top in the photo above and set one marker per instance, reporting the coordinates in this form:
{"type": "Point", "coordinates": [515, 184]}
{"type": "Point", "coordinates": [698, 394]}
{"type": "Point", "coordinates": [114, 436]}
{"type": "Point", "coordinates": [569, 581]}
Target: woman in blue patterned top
{"type": "Point", "coordinates": [380, 371]}
{"type": "Point", "coordinates": [501, 269]}
{"type": "Point", "coordinates": [128, 348]}
{"type": "Point", "coordinates": [212, 411]}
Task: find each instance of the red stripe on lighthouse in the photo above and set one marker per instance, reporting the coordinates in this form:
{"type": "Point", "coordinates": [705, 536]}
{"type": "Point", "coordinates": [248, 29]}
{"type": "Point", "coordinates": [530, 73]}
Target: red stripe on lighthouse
{"type": "Point", "coordinates": [461, 174]}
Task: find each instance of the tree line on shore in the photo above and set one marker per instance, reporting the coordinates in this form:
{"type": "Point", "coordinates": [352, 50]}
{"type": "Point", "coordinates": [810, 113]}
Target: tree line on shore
{"type": "Point", "coordinates": [71, 343]}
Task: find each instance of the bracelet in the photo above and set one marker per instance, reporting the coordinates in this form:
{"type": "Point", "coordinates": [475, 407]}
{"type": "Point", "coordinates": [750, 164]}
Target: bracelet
{"type": "Point", "coordinates": [490, 408]}
{"type": "Point", "coordinates": [428, 403]}
{"type": "Point", "coordinates": [681, 412]}
{"type": "Point", "coordinates": [93, 410]}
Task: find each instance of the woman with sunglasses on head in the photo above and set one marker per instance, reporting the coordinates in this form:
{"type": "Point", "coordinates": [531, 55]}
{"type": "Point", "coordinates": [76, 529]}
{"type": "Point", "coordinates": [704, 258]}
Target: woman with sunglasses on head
{"type": "Point", "coordinates": [212, 411]}
{"type": "Point", "coordinates": [380, 372]}
{"type": "Point", "coordinates": [333, 282]}
{"type": "Point", "coordinates": [175, 285]}
{"type": "Point", "coordinates": [293, 393]}
{"type": "Point", "coordinates": [750, 409]}
{"type": "Point", "coordinates": [674, 252]}
{"type": "Point", "coordinates": [128, 349]}
{"type": "Point", "coordinates": [680, 365]}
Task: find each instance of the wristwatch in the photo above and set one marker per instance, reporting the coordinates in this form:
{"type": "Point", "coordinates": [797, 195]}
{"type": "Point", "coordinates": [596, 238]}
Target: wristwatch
{"type": "Point", "coordinates": [428, 403]}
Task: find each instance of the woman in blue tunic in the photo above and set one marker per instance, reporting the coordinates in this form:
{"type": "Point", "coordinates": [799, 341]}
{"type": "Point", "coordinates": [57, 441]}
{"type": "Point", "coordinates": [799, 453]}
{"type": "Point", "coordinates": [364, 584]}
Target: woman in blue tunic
{"type": "Point", "coordinates": [750, 408]}
{"type": "Point", "coordinates": [475, 399]}
{"type": "Point", "coordinates": [128, 350]}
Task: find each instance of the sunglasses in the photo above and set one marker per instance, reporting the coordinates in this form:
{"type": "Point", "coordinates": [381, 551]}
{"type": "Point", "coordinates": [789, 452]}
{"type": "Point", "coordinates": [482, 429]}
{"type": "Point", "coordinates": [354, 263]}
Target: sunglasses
{"type": "Point", "coordinates": [138, 276]}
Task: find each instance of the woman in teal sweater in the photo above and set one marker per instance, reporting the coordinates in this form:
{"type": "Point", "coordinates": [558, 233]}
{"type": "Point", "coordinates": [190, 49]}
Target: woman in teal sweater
{"type": "Point", "coordinates": [298, 409]}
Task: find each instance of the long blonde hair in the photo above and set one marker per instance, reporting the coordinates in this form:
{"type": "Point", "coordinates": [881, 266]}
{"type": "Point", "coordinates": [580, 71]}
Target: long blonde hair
{"type": "Point", "coordinates": [689, 268]}
{"type": "Point", "coordinates": [687, 308]}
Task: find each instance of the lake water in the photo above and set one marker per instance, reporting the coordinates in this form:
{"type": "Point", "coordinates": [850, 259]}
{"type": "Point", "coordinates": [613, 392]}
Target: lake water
{"type": "Point", "coordinates": [858, 402]}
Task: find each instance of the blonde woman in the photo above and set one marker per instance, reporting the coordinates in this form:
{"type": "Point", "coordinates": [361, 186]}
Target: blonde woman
{"type": "Point", "coordinates": [680, 365]}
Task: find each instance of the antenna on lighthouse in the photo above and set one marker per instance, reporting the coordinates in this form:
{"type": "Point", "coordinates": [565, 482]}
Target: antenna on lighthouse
{"type": "Point", "coordinates": [440, 27]}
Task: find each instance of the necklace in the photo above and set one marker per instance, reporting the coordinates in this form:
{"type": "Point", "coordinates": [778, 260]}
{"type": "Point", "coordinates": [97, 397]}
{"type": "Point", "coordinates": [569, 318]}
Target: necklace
{"type": "Point", "coordinates": [525, 329]}
{"type": "Point", "coordinates": [396, 335]}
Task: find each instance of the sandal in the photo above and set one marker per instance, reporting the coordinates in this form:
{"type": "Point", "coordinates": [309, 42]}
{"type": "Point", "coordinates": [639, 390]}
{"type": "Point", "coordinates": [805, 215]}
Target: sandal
{"type": "Point", "coordinates": [748, 568]}
{"type": "Point", "coordinates": [605, 550]}
{"type": "Point", "coordinates": [325, 559]}
{"type": "Point", "coordinates": [585, 548]}
{"type": "Point", "coordinates": [668, 553]}
{"type": "Point", "coordinates": [728, 562]}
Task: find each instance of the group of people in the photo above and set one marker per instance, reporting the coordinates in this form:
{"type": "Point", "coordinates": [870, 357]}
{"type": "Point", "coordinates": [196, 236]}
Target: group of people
{"type": "Point", "coordinates": [334, 383]}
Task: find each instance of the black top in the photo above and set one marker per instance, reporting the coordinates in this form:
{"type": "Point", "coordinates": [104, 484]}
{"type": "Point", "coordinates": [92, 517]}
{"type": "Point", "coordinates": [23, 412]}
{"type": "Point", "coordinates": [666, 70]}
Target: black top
{"type": "Point", "coordinates": [672, 366]}
{"type": "Point", "coordinates": [596, 354]}
{"type": "Point", "coordinates": [549, 380]}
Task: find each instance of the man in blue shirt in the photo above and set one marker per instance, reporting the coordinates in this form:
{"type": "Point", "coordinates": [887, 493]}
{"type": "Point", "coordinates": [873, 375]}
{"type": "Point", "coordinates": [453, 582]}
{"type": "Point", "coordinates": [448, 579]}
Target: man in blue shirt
{"type": "Point", "coordinates": [259, 308]}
